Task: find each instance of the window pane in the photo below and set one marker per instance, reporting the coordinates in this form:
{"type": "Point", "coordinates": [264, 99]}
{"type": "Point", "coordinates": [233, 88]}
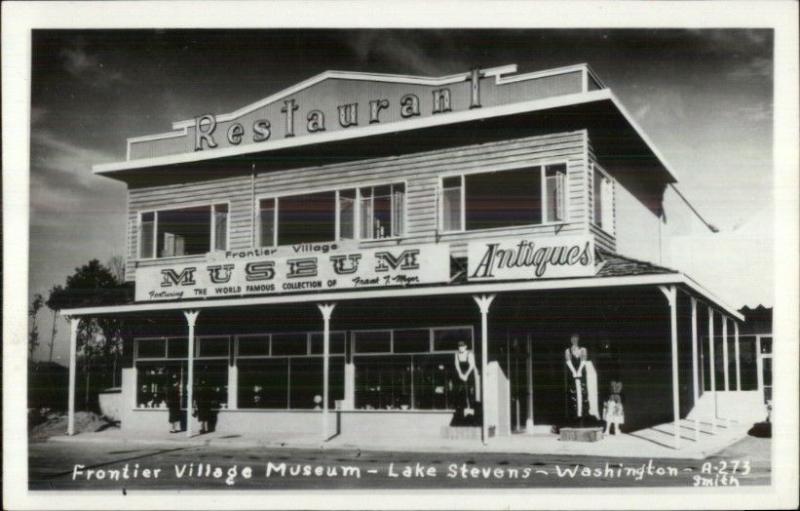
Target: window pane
{"type": "Point", "coordinates": [221, 227]}
{"type": "Point", "coordinates": [307, 218]}
{"type": "Point", "coordinates": [451, 209]}
{"type": "Point", "coordinates": [608, 205]}
{"type": "Point", "coordinates": [212, 347]}
{"type": "Point", "coordinates": [177, 347]}
{"type": "Point", "coordinates": [447, 339]}
{"type": "Point", "coordinates": [412, 341]}
{"type": "Point", "coordinates": [305, 382]}
{"type": "Point", "coordinates": [254, 345]}
{"type": "Point", "coordinates": [398, 208]}
{"type": "Point", "coordinates": [503, 199]}
{"type": "Point", "coordinates": [263, 383]}
{"type": "Point", "coordinates": [211, 383]}
{"type": "Point", "coordinates": [289, 344]}
{"type": "Point", "coordinates": [555, 192]}
{"type": "Point", "coordinates": [381, 216]}
{"type": "Point", "coordinates": [434, 382]}
{"type": "Point", "coordinates": [184, 231]}
{"type": "Point", "coordinates": [373, 342]}
{"type": "Point", "coordinates": [267, 222]}
{"type": "Point", "coordinates": [337, 342]}
{"type": "Point", "coordinates": [347, 212]}
{"type": "Point", "coordinates": [365, 217]}
{"type": "Point", "coordinates": [598, 198]}
{"type": "Point", "coordinates": [146, 236]}
{"type": "Point", "coordinates": [151, 348]}
{"type": "Point", "coordinates": [153, 379]}
{"type": "Point", "coordinates": [383, 382]}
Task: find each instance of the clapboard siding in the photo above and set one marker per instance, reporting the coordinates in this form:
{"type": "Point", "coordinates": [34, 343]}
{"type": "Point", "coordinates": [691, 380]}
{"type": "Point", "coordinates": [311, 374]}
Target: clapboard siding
{"type": "Point", "coordinates": [420, 172]}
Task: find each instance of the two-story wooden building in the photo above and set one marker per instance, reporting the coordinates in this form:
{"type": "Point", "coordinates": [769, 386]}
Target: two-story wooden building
{"type": "Point", "coordinates": [315, 258]}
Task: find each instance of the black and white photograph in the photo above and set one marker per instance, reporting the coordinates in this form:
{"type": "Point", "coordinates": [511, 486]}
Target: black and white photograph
{"type": "Point", "coordinates": [470, 264]}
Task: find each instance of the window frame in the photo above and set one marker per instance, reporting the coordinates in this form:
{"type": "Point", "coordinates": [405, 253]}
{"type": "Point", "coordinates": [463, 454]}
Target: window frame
{"type": "Point", "coordinates": [542, 166]}
{"type": "Point", "coordinates": [166, 339]}
{"type": "Point", "coordinates": [337, 223]}
{"type": "Point", "coordinates": [595, 167]}
{"type": "Point", "coordinates": [307, 333]}
{"type": "Point", "coordinates": [211, 235]}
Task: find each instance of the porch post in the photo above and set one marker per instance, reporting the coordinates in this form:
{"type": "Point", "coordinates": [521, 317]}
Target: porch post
{"type": "Point", "coordinates": [73, 347]}
{"type": "Point", "coordinates": [191, 319]}
{"type": "Point", "coordinates": [695, 375]}
{"type": "Point", "coordinates": [670, 293]}
{"type": "Point", "coordinates": [484, 302]}
{"type": "Point", "coordinates": [736, 353]}
{"type": "Point", "coordinates": [713, 367]}
{"type": "Point", "coordinates": [725, 352]}
{"type": "Point", "coordinates": [327, 310]}
{"type": "Point", "coordinates": [529, 371]}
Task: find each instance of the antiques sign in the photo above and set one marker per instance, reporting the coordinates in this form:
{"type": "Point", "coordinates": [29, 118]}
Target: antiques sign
{"type": "Point", "coordinates": [241, 274]}
{"type": "Point", "coordinates": [531, 258]}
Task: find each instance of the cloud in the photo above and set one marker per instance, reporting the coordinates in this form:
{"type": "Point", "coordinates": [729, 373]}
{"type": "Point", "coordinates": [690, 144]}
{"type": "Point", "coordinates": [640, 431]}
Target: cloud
{"type": "Point", "coordinates": [404, 50]}
{"type": "Point", "coordinates": [755, 68]}
{"type": "Point", "coordinates": [88, 68]}
{"type": "Point", "coordinates": [50, 152]}
{"type": "Point", "coordinates": [61, 177]}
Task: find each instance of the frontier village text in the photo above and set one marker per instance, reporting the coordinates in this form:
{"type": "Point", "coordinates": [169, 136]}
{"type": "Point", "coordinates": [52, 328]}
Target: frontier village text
{"type": "Point", "coordinates": [710, 472]}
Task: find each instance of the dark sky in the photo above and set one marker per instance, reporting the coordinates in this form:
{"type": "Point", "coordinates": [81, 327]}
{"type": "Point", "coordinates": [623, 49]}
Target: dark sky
{"type": "Point", "coordinates": [703, 96]}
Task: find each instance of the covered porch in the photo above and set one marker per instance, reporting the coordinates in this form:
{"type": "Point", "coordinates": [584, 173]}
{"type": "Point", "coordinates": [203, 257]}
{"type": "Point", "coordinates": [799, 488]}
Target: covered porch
{"type": "Point", "coordinates": [355, 380]}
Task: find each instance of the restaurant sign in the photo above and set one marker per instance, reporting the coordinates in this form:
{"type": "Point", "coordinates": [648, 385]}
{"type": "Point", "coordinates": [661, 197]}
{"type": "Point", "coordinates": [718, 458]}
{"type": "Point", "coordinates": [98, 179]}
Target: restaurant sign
{"type": "Point", "coordinates": [531, 258]}
{"type": "Point", "coordinates": [307, 272]}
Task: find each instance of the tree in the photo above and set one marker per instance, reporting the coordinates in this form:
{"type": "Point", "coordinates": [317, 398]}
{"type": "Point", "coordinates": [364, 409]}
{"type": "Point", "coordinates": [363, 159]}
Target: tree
{"type": "Point", "coordinates": [116, 265]}
{"type": "Point", "coordinates": [33, 335]}
{"type": "Point", "coordinates": [99, 339]}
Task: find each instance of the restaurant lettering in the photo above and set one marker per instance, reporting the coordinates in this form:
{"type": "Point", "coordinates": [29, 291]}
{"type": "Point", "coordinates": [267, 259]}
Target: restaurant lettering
{"type": "Point", "coordinates": [422, 264]}
{"type": "Point", "coordinates": [294, 118]}
{"type": "Point", "coordinates": [531, 258]}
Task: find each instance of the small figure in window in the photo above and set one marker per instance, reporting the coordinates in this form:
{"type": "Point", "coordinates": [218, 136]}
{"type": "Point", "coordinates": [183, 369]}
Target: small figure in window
{"type": "Point", "coordinates": [257, 398]}
{"type": "Point", "coordinates": [173, 398]}
{"type": "Point", "coordinates": [317, 402]}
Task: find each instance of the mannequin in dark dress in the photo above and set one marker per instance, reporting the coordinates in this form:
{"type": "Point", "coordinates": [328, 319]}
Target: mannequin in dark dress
{"type": "Point", "coordinates": [467, 409]}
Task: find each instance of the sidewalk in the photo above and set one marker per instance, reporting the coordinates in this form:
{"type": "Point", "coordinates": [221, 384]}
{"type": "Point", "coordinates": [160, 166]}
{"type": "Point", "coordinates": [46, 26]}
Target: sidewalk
{"type": "Point", "coordinates": [655, 442]}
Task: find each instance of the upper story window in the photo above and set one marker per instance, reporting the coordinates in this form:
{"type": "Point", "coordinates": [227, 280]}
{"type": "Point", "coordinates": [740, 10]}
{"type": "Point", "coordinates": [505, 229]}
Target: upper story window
{"type": "Point", "coordinates": [487, 200]}
{"type": "Point", "coordinates": [381, 211]}
{"type": "Point", "coordinates": [373, 212]}
{"type": "Point", "coordinates": [184, 231]}
{"type": "Point", "coordinates": [603, 200]}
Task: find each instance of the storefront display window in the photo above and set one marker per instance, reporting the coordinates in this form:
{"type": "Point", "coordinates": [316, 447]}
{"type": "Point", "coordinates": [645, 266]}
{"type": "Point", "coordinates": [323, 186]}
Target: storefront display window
{"type": "Point", "coordinates": [153, 379]}
{"type": "Point", "coordinates": [403, 370]}
{"type": "Point", "coordinates": [284, 370]}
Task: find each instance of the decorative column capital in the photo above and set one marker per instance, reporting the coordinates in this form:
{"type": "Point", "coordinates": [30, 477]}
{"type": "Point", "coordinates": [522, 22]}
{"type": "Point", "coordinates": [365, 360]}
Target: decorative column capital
{"type": "Point", "coordinates": [484, 302]}
{"type": "Point", "coordinates": [670, 293]}
{"type": "Point", "coordinates": [191, 317]}
{"type": "Point", "coordinates": [326, 309]}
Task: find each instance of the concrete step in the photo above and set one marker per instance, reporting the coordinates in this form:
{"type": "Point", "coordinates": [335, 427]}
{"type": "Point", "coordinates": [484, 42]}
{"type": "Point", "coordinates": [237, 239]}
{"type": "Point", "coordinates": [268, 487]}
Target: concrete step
{"type": "Point", "coordinates": [461, 432]}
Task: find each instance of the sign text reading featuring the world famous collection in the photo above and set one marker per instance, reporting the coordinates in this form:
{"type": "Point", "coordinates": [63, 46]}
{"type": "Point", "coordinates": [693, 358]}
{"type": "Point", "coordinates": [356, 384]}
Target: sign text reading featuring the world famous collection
{"type": "Point", "coordinates": [531, 258]}
{"type": "Point", "coordinates": [307, 272]}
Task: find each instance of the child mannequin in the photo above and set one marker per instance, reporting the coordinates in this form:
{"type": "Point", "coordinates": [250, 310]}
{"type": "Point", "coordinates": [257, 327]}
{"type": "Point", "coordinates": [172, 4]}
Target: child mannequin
{"type": "Point", "coordinates": [613, 411]}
